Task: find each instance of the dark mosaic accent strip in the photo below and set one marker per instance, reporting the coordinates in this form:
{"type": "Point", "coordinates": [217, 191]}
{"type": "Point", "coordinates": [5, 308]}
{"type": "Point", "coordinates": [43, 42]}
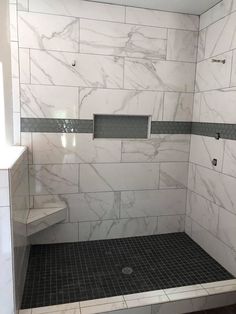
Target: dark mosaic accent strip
{"type": "Point", "coordinates": [170, 127]}
{"type": "Point", "coordinates": [107, 126]}
{"type": "Point", "coordinates": [71, 272]}
{"type": "Point", "coordinates": [222, 130]}
{"type": "Point", "coordinates": [56, 125]}
{"type": "Point", "coordinates": [127, 127]}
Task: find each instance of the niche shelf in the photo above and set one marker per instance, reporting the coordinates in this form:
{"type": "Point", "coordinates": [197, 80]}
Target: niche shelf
{"type": "Point", "coordinates": [42, 218]}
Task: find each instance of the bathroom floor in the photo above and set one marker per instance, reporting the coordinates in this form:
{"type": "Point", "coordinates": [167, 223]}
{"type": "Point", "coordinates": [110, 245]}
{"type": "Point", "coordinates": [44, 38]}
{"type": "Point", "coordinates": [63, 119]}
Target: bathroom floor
{"type": "Point", "coordinates": [70, 272]}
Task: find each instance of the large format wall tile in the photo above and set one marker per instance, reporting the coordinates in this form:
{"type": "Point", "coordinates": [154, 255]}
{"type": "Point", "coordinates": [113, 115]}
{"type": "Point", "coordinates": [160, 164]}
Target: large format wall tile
{"type": "Point", "coordinates": [42, 31]}
{"type": "Point", "coordinates": [182, 45]}
{"type": "Point", "coordinates": [49, 148]}
{"type": "Point", "coordinates": [202, 211]}
{"type": "Point", "coordinates": [4, 188]}
{"type": "Point", "coordinates": [178, 106]}
{"type": "Point", "coordinates": [118, 177]}
{"type": "Point", "coordinates": [233, 76]}
{"type": "Point", "coordinates": [111, 101]}
{"type": "Point", "coordinates": [39, 101]}
{"type": "Point", "coordinates": [122, 39]}
{"type": "Point", "coordinates": [229, 164]}
{"type": "Point", "coordinates": [211, 75]}
{"type": "Point", "coordinates": [53, 179]}
{"type": "Point", "coordinates": [159, 75]}
{"type": "Point", "coordinates": [79, 8]}
{"type": "Point", "coordinates": [170, 224]}
{"type": "Point", "coordinates": [110, 229]}
{"type": "Point", "coordinates": [217, 106]}
{"type": "Point", "coordinates": [158, 148]}
{"type": "Point", "coordinates": [226, 229]}
{"type": "Point", "coordinates": [173, 175]}
{"type": "Point", "coordinates": [59, 233]}
{"type": "Point", "coordinates": [24, 65]}
{"type": "Point", "coordinates": [216, 13]}
{"type": "Point", "coordinates": [214, 186]}
{"type": "Point", "coordinates": [162, 19]}
{"type": "Point", "coordinates": [204, 149]}
{"type": "Point", "coordinates": [216, 248]}
{"type": "Point", "coordinates": [152, 203]}
{"type": "Point", "coordinates": [55, 68]}
{"type": "Point", "coordinates": [220, 36]}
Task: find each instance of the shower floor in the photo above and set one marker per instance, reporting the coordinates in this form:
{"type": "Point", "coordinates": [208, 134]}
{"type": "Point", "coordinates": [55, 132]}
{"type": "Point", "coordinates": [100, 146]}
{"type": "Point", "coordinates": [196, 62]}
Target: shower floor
{"type": "Point", "coordinates": [71, 272]}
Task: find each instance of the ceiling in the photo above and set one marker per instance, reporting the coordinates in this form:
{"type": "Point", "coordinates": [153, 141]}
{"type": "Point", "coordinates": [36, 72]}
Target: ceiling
{"type": "Point", "coordinates": [183, 6]}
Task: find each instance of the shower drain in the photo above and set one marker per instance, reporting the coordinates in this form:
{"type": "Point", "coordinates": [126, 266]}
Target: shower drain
{"type": "Point", "coordinates": [127, 270]}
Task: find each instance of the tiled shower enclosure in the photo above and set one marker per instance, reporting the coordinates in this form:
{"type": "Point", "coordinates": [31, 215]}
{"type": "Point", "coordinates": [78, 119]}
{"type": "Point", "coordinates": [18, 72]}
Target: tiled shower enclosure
{"type": "Point", "coordinates": [84, 73]}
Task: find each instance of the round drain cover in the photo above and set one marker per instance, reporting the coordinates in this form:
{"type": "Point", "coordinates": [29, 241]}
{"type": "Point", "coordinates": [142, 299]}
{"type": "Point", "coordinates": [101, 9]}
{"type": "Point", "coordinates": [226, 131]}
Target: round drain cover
{"type": "Point", "coordinates": [127, 270]}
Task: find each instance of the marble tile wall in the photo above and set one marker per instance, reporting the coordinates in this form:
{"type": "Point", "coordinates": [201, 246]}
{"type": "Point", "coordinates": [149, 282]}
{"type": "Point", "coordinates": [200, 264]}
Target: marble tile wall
{"type": "Point", "coordinates": [211, 203]}
{"type": "Point", "coordinates": [14, 206]}
{"type": "Point", "coordinates": [74, 59]}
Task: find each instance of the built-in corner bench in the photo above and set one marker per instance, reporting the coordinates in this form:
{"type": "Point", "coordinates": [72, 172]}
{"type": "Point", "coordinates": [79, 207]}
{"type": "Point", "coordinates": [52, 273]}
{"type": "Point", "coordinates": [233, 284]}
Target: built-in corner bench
{"type": "Point", "coordinates": [42, 218]}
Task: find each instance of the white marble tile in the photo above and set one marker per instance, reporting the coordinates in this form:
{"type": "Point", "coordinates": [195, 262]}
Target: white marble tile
{"type": "Point", "coordinates": [201, 45]}
{"type": "Point", "coordinates": [16, 128]}
{"type": "Point", "coordinates": [55, 308]}
{"type": "Point", "coordinates": [122, 39]}
{"type": "Point", "coordinates": [24, 63]}
{"type": "Point", "coordinates": [219, 300]}
{"type": "Point", "coordinates": [216, 284]}
{"type": "Point", "coordinates": [7, 299]}
{"type": "Point", "coordinates": [39, 101]}
{"type": "Point", "coordinates": [204, 149]}
{"type": "Point", "coordinates": [101, 301]}
{"type": "Point", "coordinates": [216, 187]}
{"type": "Point", "coordinates": [147, 301]}
{"type": "Point", "coordinates": [14, 60]}
{"type": "Point", "coordinates": [16, 94]}
{"type": "Point", "coordinates": [111, 101]}
{"type": "Point", "coordinates": [43, 31]}
{"type": "Point", "coordinates": [187, 295]}
{"type": "Point", "coordinates": [136, 310]}
{"type": "Point", "coordinates": [180, 306]}
{"type": "Point", "coordinates": [143, 295]}
{"type": "Point", "coordinates": [112, 229]}
{"type": "Point", "coordinates": [226, 228]}
{"type": "Point", "coordinates": [202, 211]}
{"type": "Point", "coordinates": [93, 206]}
{"type": "Point", "coordinates": [173, 175]}
{"type": "Point", "coordinates": [217, 12]}
{"type": "Point", "coordinates": [86, 9]}
{"type": "Point", "coordinates": [55, 68]}
{"type": "Point", "coordinates": [161, 19]}
{"type": "Point", "coordinates": [178, 106]}
{"type": "Point", "coordinates": [166, 148]}
{"type": "Point", "coordinates": [23, 5]}
{"type": "Point", "coordinates": [59, 233]}
{"type": "Point", "coordinates": [170, 224]}
{"type": "Point", "coordinates": [218, 106]}
{"type": "Point", "coordinates": [219, 290]}
{"type": "Point", "coordinates": [212, 75]}
{"type": "Point", "coordinates": [152, 203]}
{"type": "Point", "coordinates": [53, 179]}
{"type": "Point", "coordinates": [49, 148]}
{"type": "Point", "coordinates": [40, 219]}
{"type": "Point", "coordinates": [13, 22]}
{"type": "Point", "coordinates": [4, 188]}
{"type": "Point", "coordinates": [233, 75]}
{"type": "Point", "coordinates": [188, 226]}
{"type": "Point", "coordinates": [26, 140]}
{"type": "Point", "coordinates": [183, 289]}
{"type": "Point", "coordinates": [213, 246]}
{"type": "Point", "coordinates": [103, 308]}
{"type": "Point", "coordinates": [28, 311]}
{"type": "Point", "coordinates": [182, 45]}
{"type": "Point", "coordinates": [220, 36]}
{"type": "Point", "coordinates": [159, 75]}
{"type": "Point", "coordinates": [229, 158]}
{"type": "Point", "coordinates": [196, 107]}
{"type": "Point", "coordinates": [118, 177]}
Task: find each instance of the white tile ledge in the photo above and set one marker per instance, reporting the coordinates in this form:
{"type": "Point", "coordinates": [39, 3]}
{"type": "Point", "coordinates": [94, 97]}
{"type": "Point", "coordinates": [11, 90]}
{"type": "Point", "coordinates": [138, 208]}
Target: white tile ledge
{"type": "Point", "coordinates": [10, 155]}
{"type": "Point", "coordinates": [42, 218]}
{"type": "Point", "coordinates": [140, 299]}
